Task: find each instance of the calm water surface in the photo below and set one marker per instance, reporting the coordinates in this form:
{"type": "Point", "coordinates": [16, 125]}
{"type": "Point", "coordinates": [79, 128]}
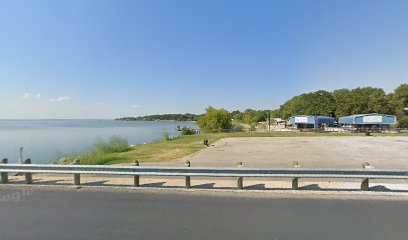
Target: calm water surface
{"type": "Point", "coordinates": [45, 141]}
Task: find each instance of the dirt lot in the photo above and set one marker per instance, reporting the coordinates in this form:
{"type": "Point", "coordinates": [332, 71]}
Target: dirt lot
{"type": "Point", "coordinates": [342, 152]}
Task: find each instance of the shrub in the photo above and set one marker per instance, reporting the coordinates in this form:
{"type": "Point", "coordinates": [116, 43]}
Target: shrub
{"type": "Point", "coordinates": [166, 136]}
{"type": "Point", "coordinates": [403, 122]}
{"type": "Point", "coordinates": [215, 120]}
{"type": "Point", "coordinates": [115, 144]}
{"type": "Point", "coordinates": [187, 131]}
{"type": "Point", "coordinates": [101, 147]}
{"type": "Point", "coordinates": [118, 144]}
{"type": "Point", "coordinates": [237, 128]}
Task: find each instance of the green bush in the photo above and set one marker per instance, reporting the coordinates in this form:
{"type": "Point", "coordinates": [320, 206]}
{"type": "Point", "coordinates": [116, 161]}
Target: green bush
{"type": "Point", "coordinates": [115, 144]}
{"type": "Point", "coordinates": [237, 128]}
{"type": "Point", "coordinates": [102, 152]}
{"type": "Point", "coordinates": [187, 131]}
{"type": "Point", "coordinates": [101, 146]}
{"type": "Point", "coordinates": [118, 144]}
{"type": "Point", "coordinates": [215, 120]}
{"type": "Point", "coordinates": [403, 122]}
{"type": "Point", "coordinates": [166, 136]}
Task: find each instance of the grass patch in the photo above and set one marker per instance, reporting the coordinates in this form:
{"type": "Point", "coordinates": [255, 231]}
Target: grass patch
{"type": "Point", "coordinates": [102, 152]}
{"type": "Point", "coordinates": [179, 147]}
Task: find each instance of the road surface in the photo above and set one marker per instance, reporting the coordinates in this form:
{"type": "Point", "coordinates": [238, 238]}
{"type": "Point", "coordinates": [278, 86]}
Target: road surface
{"type": "Point", "coordinates": [74, 214]}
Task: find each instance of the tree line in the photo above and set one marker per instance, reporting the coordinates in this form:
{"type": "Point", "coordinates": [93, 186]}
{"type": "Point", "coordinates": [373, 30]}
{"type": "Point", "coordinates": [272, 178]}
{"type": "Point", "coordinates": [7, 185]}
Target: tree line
{"type": "Point", "coordinates": [163, 117]}
{"type": "Point", "coordinates": [338, 103]}
{"type": "Point", "coordinates": [344, 102]}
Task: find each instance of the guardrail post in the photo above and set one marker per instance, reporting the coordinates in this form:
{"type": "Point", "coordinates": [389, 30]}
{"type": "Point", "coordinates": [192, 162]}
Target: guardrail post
{"type": "Point", "coordinates": [240, 180]}
{"type": "Point", "coordinates": [295, 181]}
{"type": "Point", "coordinates": [137, 177]}
{"type": "Point", "coordinates": [4, 175]}
{"type": "Point", "coordinates": [28, 176]}
{"type": "Point", "coordinates": [188, 180]}
{"type": "Point", "coordinates": [365, 184]}
{"type": "Point", "coordinates": [77, 176]}
{"type": "Point", "coordinates": [366, 165]}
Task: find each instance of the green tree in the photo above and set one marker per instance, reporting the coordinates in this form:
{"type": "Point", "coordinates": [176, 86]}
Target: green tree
{"type": "Point", "coordinates": [399, 101]}
{"type": "Point", "coordinates": [360, 101]}
{"type": "Point", "coordinates": [369, 100]}
{"type": "Point", "coordinates": [215, 120]}
{"type": "Point", "coordinates": [343, 101]}
{"type": "Point", "coordinates": [378, 102]}
{"type": "Point", "coordinates": [276, 113]}
{"type": "Point", "coordinates": [314, 103]}
{"type": "Point", "coordinates": [403, 122]}
{"type": "Point", "coordinates": [237, 116]}
{"type": "Point", "coordinates": [250, 116]}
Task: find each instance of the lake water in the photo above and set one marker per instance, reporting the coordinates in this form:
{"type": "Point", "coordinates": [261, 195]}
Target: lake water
{"type": "Point", "coordinates": [46, 141]}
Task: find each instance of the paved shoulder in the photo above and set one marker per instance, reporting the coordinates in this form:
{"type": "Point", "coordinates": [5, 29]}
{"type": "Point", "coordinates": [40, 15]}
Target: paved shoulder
{"type": "Point", "coordinates": [38, 214]}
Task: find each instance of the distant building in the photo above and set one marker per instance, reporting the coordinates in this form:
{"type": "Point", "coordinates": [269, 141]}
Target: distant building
{"type": "Point", "coordinates": [304, 121]}
{"type": "Point", "coordinates": [371, 121]}
{"type": "Point", "coordinates": [279, 121]}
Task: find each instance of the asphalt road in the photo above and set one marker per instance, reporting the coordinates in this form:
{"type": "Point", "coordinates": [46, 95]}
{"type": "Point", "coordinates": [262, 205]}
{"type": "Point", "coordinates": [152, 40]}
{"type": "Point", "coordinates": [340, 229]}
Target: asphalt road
{"type": "Point", "coordinates": [37, 214]}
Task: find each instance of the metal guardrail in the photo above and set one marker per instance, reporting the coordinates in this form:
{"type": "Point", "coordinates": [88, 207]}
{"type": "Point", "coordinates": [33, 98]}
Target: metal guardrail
{"type": "Point", "coordinates": [206, 172]}
{"type": "Point", "coordinates": [187, 172]}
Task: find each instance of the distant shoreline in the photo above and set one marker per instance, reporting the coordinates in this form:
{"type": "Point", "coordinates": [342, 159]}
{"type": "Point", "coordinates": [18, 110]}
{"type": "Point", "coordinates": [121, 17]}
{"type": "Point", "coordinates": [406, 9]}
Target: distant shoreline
{"type": "Point", "coordinates": [171, 117]}
{"type": "Point", "coordinates": [155, 120]}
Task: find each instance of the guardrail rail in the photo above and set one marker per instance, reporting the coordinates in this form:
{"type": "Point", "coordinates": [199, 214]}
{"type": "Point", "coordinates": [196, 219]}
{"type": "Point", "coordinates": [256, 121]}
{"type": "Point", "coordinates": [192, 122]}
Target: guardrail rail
{"type": "Point", "coordinates": [295, 173]}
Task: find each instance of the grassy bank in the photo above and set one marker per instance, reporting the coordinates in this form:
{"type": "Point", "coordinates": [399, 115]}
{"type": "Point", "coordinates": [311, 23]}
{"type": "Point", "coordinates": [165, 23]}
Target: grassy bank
{"type": "Point", "coordinates": [180, 147]}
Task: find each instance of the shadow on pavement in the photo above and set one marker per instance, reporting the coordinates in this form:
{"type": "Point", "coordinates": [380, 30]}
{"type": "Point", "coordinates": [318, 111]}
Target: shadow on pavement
{"type": "Point", "coordinates": [311, 187]}
{"type": "Point", "coordinates": [256, 187]}
{"type": "Point", "coordinates": [211, 185]}
{"type": "Point", "coordinates": [204, 186]}
{"type": "Point", "coordinates": [156, 184]}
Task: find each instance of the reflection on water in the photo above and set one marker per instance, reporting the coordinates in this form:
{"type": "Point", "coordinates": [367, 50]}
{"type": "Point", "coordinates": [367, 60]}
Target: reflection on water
{"type": "Point", "coordinates": [45, 141]}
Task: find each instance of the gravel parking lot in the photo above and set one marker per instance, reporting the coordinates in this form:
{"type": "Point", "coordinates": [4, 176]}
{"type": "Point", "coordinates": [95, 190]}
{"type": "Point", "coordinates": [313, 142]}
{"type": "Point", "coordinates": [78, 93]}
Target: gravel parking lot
{"type": "Point", "coordinates": [325, 152]}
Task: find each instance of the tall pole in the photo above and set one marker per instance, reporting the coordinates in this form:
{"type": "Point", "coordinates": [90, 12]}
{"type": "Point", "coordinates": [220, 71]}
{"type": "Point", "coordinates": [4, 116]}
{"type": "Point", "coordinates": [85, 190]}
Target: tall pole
{"type": "Point", "coordinates": [267, 115]}
{"type": "Point", "coordinates": [20, 159]}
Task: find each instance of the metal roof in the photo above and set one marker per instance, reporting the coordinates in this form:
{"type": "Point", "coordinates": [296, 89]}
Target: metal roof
{"type": "Point", "coordinates": [310, 119]}
{"type": "Point", "coordinates": [369, 118]}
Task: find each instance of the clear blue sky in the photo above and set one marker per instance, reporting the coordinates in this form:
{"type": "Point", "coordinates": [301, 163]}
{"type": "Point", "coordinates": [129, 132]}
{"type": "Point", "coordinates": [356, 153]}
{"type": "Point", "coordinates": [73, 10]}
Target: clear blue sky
{"type": "Point", "coordinates": [104, 59]}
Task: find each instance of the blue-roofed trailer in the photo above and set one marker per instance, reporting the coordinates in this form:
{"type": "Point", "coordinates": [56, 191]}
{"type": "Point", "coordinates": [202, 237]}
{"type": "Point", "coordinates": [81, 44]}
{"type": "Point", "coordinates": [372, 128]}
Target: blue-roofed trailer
{"type": "Point", "coordinates": [368, 122]}
{"type": "Point", "coordinates": [305, 121]}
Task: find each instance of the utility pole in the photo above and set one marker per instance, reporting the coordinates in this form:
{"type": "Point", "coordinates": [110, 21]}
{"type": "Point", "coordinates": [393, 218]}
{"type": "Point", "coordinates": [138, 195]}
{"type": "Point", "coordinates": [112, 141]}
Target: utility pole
{"type": "Point", "coordinates": [21, 155]}
{"type": "Point", "coordinates": [267, 114]}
